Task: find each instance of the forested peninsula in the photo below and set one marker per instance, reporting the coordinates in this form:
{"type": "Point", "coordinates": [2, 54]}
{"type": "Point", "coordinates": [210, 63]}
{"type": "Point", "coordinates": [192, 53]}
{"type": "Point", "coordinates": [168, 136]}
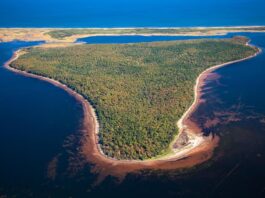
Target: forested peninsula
{"type": "Point", "coordinates": [139, 91]}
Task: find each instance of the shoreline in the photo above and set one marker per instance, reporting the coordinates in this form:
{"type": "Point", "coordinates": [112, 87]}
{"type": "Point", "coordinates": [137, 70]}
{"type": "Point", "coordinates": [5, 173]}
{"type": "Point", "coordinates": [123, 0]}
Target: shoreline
{"type": "Point", "coordinates": [193, 154]}
{"type": "Point", "coordinates": [197, 90]}
{"type": "Point", "coordinates": [200, 80]}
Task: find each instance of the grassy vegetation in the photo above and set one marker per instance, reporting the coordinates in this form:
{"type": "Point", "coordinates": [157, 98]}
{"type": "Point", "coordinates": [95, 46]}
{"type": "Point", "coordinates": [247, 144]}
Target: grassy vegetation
{"type": "Point", "coordinates": [138, 90]}
{"type": "Point", "coordinates": [62, 33]}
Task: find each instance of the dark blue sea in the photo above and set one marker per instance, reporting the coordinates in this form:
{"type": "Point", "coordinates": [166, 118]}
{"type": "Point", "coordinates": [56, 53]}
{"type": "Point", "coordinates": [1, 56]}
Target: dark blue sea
{"type": "Point", "coordinates": [130, 13]}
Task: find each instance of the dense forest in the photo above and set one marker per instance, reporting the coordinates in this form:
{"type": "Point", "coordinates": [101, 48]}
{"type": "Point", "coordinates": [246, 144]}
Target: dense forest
{"type": "Point", "coordinates": [62, 33]}
{"type": "Point", "coordinates": [139, 91]}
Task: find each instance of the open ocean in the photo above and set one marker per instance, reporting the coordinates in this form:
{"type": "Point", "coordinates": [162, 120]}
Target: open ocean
{"type": "Point", "coordinates": [130, 13]}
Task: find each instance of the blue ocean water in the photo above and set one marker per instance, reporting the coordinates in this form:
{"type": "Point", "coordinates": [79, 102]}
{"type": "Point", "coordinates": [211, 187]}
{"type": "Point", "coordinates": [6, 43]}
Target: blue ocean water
{"type": "Point", "coordinates": [130, 13]}
{"type": "Point", "coordinates": [36, 121]}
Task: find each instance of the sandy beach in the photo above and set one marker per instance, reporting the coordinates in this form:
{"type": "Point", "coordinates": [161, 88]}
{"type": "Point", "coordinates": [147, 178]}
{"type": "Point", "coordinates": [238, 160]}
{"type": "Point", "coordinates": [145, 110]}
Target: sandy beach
{"type": "Point", "coordinates": [199, 149]}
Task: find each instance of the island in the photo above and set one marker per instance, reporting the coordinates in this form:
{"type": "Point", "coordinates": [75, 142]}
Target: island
{"type": "Point", "coordinates": [138, 91]}
{"type": "Point", "coordinates": [137, 98]}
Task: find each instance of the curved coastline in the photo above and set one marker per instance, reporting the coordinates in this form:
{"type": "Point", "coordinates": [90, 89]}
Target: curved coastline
{"type": "Point", "coordinates": [199, 150]}
{"type": "Point", "coordinates": [200, 81]}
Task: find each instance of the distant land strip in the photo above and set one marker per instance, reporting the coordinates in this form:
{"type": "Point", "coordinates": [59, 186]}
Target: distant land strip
{"type": "Point", "coordinates": [70, 35]}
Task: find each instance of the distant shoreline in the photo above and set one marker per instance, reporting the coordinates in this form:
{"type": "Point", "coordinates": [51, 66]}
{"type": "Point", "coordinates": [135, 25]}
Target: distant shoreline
{"type": "Point", "coordinates": [197, 153]}
{"type": "Point", "coordinates": [44, 34]}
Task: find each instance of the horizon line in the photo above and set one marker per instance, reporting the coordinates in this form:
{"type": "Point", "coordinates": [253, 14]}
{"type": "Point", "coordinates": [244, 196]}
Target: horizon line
{"type": "Point", "coordinates": [147, 27]}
